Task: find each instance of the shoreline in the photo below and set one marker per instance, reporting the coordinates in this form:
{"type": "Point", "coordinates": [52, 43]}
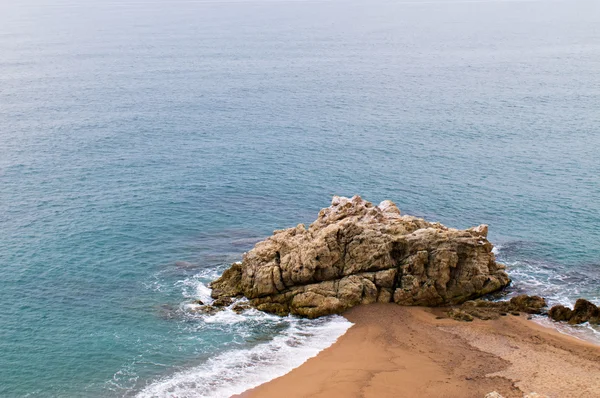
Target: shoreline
{"type": "Point", "coordinates": [396, 351]}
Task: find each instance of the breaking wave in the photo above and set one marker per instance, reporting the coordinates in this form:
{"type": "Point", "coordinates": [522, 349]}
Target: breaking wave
{"type": "Point", "coordinates": [555, 282]}
{"type": "Point", "coordinates": [237, 370]}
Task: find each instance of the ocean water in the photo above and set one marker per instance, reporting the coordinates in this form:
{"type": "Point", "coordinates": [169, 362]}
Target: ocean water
{"type": "Point", "coordinates": [146, 144]}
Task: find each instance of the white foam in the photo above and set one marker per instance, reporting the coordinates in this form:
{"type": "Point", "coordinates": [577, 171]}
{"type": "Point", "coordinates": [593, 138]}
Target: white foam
{"type": "Point", "coordinates": [557, 287]}
{"type": "Point", "coordinates": [226, 317]}
{"type": "Point", "coordinates": [584, 331]}
{"type": "Point", "coordinates": [234, 372]}
{"type": "Point", "coordinates": [203, 293]}
{"type": "Point", "coordinates": [230, 317]}
{"type": "Point", "coordinates": [195, 288]}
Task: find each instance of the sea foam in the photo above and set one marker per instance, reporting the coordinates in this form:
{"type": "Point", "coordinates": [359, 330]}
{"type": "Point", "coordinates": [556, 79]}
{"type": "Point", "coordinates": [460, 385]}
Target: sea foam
{"type": "Point", "coordinates": [233, 372]}
{"type": "Point", "coordinates": [236, 370]}
{"type": "Point", "coordinates": [557, 286]}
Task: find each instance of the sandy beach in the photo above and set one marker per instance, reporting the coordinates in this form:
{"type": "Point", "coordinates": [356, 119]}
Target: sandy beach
{"type": "Point", "coordinates": [394, 351]}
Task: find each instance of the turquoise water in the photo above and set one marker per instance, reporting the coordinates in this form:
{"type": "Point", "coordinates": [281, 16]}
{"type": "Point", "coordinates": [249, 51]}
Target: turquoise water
{"type": "Point", "coordinates": [145, 145]}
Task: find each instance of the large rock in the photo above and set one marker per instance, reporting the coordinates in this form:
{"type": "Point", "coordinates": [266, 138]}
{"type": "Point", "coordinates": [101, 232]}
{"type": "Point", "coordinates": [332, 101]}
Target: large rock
{"type": "Point", "coordinates": [358, 253]}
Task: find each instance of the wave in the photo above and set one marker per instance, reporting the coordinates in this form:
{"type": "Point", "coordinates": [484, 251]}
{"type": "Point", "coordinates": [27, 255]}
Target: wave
{"type": "Point", "coordinates": [234, 372]}
{"type": "Point", "coordinates": [557, 283]}
{"type": "Point", "coordinates": [294, 340]}
{"type": "Point", "coordinates": [237, 370]}
{"type": "Point", "coordinates": [584, 331]}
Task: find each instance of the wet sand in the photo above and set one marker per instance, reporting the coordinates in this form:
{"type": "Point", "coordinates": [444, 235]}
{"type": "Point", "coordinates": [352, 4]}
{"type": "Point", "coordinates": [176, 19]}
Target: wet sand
{"type": "Point", "coordinates": [394, 351]}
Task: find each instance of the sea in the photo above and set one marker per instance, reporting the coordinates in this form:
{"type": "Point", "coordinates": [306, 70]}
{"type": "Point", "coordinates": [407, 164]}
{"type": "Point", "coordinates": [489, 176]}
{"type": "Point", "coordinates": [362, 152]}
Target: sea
{"type": "Point", "coordinates": [145, 145]}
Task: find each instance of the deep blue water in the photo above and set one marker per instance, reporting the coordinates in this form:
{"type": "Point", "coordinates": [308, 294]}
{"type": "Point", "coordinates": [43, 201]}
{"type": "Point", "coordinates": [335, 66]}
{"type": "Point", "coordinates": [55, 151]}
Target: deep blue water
{"type": "Point", "coordinates": [145, 145]}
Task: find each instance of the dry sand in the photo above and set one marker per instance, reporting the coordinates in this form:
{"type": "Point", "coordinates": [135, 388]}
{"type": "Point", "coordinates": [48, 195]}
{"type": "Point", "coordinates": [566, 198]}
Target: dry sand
{"type": "Point", "coordinates": [394, 351]}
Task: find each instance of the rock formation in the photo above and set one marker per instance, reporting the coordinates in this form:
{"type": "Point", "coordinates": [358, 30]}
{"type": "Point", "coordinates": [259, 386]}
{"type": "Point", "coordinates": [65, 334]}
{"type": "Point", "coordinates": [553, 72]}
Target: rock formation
{"type": "Point", "coordinates": [584, 311]}
{"type": "Point", "coordinates": [486, 310]}
{"type": "Point", "coordinates": [358, 253]}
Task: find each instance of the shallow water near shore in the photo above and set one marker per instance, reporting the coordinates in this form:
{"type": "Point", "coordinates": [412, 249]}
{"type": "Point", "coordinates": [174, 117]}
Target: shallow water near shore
{"type": "Point", "coordinates": [145, 146]}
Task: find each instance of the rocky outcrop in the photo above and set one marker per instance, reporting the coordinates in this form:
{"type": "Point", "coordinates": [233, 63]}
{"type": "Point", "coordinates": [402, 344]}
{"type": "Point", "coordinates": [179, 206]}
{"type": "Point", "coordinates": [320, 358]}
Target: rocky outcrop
{"type": "Point", "coordinates": [560, 313]}
{"type": "Point", "coordinates": [358, 253]}
{"type": "Point", "coordinates": [485, 310]}
{"type": "Point", "coordinates": [218, 305]}
{"type": "Point", "coordinates": [584, 311]}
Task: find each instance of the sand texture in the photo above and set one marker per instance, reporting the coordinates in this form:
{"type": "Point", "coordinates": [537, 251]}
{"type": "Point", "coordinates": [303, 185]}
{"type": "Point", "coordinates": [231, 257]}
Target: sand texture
{"type": "Point", "coordinates": [395, 351]}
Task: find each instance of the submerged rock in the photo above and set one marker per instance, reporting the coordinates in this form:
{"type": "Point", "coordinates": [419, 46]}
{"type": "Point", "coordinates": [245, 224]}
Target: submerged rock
{"type": "Point", "coordinates": [238, 308]}
{"type": "Point", "coordinates": [358, 253]}
{"type": "Point", "coordinates": [222, 302]}
{"type": "Point", "coordinates": [206, 309]}
{"type": "Point", "coordinates": [184, 265]}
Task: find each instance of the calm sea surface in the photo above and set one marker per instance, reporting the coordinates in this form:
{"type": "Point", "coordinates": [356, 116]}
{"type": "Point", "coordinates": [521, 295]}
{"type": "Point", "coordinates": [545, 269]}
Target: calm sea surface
{"type": "Point", "coordinates": [145, 145]}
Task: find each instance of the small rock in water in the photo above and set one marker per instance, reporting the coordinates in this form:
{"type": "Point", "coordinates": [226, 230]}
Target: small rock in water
{"type": "Point", "coordinates": [240, 307]}
{"type": "Point", "coordinates": [206, 309]}
{"type": "Point", "coordinates": [168, 311]}
{"type": "Point", "coordinates": [222, 302]}
{"type": "Point", "coordinates": [560, 313]}
{"type": "Point", "coordinates": [584, 311]}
